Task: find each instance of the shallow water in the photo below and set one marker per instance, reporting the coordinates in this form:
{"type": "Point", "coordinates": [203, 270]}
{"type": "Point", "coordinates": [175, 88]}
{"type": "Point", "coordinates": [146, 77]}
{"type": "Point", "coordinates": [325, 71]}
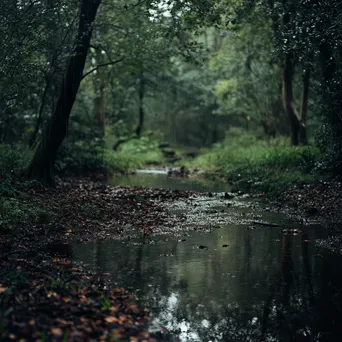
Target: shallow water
{"type": "Point", "coordinates": [160, 179]}
{"type": "Point", "coordinates": [239, 282]}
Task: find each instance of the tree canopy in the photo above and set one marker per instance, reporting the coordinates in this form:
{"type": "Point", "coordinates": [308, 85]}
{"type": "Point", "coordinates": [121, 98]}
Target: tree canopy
{"type": "Point", "coordinates": [189, 70]}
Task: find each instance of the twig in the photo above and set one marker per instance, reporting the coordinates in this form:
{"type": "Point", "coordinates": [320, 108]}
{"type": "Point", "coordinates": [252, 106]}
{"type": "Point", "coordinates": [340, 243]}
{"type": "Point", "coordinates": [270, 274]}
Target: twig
{"type": "Point", "coordinates": [267, 224]}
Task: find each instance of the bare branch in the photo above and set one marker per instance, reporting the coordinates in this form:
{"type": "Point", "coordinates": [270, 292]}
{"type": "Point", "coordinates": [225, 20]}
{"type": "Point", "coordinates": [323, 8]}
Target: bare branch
{"type": "Point", "coordinates": [100, 66]}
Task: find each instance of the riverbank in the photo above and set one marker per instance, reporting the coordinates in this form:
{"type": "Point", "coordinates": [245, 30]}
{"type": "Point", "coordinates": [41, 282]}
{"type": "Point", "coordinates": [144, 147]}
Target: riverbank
{"type": "Point", "coordinates": [47, 298]}
{"type": "Point", "coordinates": [67, 299]}
{"type": "Point", "coordinates": [322, 200]}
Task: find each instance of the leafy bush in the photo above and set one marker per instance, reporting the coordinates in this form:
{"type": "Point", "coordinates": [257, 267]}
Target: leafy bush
{"type": "Point", "coordinates": [80, 157]}
{"type": "Point", "coordinates": [13, 158]}
{"type": "Point", "coordinates": [14, 208]}
{"type": "Point", "coordinates": [133, 154]}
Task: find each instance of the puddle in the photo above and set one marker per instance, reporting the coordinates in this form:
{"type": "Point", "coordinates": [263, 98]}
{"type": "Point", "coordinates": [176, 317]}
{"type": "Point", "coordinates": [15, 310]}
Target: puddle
{"type": "Point", "coordinates": [227, 277]}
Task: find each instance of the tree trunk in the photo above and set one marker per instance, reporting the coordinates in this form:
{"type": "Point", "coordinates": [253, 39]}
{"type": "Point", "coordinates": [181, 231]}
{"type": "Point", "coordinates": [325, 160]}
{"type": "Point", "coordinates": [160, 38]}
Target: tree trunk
{"type": "Point", "coordinates": [41, 166]}
{"type": "Point", "coordinates": [99, 108]}
{"type": "Point", "coordinates": [331, 91]}
{"type": "Point", "coordinates": [40, 114]}
{"type": "Point", "coordinates": [141, 104]}
{"type": "Point", "coordinates": [287, 96]}
{"type": "Point", "coordinates": [303, 137]}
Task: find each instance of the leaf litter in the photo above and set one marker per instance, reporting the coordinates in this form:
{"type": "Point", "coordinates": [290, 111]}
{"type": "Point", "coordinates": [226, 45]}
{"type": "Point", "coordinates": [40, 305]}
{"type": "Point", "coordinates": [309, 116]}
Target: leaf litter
{"type": "Point", "coordinates": [46, 298]}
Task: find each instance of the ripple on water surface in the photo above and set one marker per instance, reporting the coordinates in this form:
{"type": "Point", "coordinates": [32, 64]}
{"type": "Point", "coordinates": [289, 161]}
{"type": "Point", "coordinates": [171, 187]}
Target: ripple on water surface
{"type": "Point", "coordinates": [240, 282]}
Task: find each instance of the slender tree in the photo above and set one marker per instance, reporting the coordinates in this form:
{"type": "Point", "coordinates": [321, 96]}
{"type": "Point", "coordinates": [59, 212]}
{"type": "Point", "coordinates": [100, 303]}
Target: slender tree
{"type": "Point", "coordinates": [41, 166]}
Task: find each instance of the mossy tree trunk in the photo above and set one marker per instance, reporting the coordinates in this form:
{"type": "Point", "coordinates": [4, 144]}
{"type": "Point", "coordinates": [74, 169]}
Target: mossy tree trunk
{"type": "Point", "coordinates": [41, 167]}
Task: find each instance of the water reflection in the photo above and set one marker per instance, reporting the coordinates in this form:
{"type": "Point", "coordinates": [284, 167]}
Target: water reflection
{"type": "Point", "coordinates": [264, 287]}
{"type": "Point", "coordinates": [162, 180]}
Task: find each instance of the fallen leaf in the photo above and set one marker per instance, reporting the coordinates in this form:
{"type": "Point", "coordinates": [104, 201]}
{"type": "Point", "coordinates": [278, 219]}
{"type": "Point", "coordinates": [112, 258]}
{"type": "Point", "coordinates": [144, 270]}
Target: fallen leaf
{"type": "Point", "coordinates": [3, 289]}
{"type": "Point", "coordinates": [111, 319]}
{"type": "Point", "coordinates": [58, 332]}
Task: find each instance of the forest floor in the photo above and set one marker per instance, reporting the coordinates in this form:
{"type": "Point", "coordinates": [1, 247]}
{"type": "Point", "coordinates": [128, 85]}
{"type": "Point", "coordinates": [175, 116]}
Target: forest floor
{"type": "Point", "coordinates": [48, 298]}
{"type": "Point", "coordinates": [321, 202]}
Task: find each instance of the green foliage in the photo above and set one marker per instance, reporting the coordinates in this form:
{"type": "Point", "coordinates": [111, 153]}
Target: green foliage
{"type": "Point", "coordinates": [134, 154]}
{"type": "Point", "coordinates": [13, 158]}
{"type": "Point", "coordinates": [106, 303]}
{"type": "Point", "coordinates": [14, 207]}
{"type": "Point", "coordinates": [206, 66]}
{"type": "Point", "coordinates": [253, 164]}
{"type": "Point", "coordinates": [14, 211]}
{"type": "Point", "coordinates": [36, 37]}
{"type": "Point", "coordinates": [80, 157]}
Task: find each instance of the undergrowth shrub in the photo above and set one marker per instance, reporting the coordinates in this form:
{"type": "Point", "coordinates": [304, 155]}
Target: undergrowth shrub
{"type": "Point", "coordinates": [13, 158]}
{"type": "Point", "coordinates": [133, 154]}
{"type": "Point", "coordinates": [15, 208]}
{"type": "Point", "coordinates": [80, 157]}
{"type": "Point", "coordinates": [253, 164]}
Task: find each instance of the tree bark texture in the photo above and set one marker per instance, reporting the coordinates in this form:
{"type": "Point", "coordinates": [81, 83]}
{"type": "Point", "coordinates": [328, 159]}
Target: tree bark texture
{"type": "Point", "coordinates": [41, 167]}
{"type": "Point", "coordinates": [141, 104]}
{"type": "Point", "coordinates": [287, 96]}
{"type": "Point", "coordinates": [99, 107]}
{"type": "Point", "coordinates": [303, 137]}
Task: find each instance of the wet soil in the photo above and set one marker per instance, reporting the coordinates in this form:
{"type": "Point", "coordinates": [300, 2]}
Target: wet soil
{"type": "Point", "coordinates": [48, 298]}
{"type": "Point", "coordinates": [320, 202]}
{"type": "Point", "coordinates": [44, 297]}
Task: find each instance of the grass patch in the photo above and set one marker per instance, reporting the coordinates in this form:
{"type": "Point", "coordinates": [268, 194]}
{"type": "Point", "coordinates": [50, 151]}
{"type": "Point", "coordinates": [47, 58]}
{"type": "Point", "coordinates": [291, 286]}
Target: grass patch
{"type": "Point", "coordinates": [251, 164]}
{"type": "Point", "coordinates": [133, 154]}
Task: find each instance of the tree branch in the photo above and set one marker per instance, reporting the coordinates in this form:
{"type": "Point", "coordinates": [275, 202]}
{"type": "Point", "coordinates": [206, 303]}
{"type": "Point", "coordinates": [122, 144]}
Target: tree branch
{"type": "Point", "coordinates": [100, 66]}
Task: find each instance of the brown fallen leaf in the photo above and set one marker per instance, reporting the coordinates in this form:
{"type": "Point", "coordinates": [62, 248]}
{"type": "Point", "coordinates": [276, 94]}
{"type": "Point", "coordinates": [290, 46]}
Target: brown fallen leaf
{"type": "Point", "coordinates": [58, 332]}
{"type": "Point", "coordinates": [3, 289]}
{"type": "Point", "coordinates": [111, 319]}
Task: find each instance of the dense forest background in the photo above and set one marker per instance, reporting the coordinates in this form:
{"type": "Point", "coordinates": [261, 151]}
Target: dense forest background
{"type": "Point", "coordinates": [97, 85]}
{"type": "Point", "coordinates": [115, 118]}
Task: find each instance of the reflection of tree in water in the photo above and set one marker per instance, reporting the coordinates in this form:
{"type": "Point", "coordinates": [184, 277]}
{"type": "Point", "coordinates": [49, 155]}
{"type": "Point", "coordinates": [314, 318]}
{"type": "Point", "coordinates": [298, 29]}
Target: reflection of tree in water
{"type": "Point", "coordinates": [266, 292]}
{"type": "Point", "coordinates": [299, 307]}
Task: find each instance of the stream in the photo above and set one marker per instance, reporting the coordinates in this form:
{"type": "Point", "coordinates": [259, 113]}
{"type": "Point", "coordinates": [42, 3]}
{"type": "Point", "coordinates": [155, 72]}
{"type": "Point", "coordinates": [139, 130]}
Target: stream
{"type": "Point", "coordinates": [233, 272]}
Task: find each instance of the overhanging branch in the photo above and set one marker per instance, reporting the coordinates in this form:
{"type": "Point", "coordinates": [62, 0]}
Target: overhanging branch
{"type": "Point", "coordinates": [101, 66]}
